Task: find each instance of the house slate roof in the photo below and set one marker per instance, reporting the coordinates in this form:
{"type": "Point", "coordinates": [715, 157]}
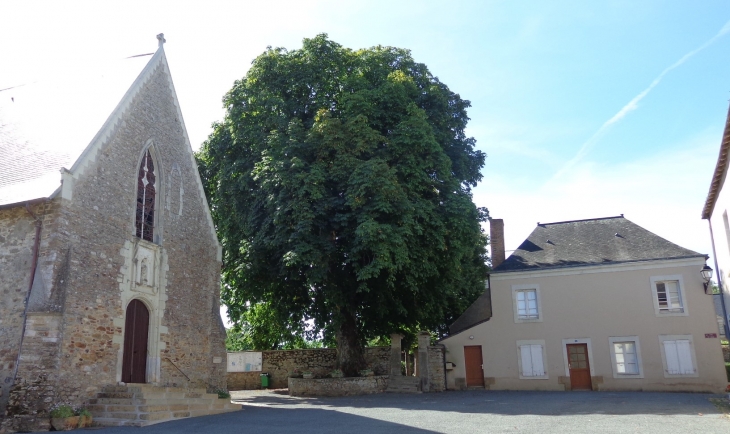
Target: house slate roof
{"type": "Point", "coordinates": [46, 125]}
{"type": "Point", "coordinates": [600, 241]}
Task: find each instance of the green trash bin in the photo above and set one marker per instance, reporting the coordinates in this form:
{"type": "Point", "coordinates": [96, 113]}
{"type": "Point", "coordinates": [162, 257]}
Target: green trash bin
{"type": "Point", "coordinates": [265, 381]}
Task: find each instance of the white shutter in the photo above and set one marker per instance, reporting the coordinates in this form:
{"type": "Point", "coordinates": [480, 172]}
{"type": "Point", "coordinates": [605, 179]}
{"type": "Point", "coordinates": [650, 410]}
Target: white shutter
{"type": "Point", "coordinates": [538, 370]}
{"type": "Point", "coordinates": [684, 354]}
{"type": "Point", "coordinates": [526, 361]}
{"type": "Point", "coordinates": [670, 351]}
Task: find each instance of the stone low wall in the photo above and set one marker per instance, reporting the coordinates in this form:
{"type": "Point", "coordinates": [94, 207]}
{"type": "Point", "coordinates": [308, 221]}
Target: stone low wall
{"type": "Point", "coordinates": [337, 386]}
{"type": "Point", "coordinates": [320, 361]}
{"type": "Point", "coordinates": [436, 372]}
{"type": "Point", "coordinates": [244, 380]}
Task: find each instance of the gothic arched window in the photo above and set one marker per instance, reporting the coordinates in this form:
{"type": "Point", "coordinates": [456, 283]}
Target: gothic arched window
{"type": "Point", "coordinates": [145, 221]}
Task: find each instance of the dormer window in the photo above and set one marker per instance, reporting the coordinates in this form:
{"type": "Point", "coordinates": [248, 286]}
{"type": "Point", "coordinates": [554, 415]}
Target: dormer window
{"type": "Point", "coordinates": [145, 220]}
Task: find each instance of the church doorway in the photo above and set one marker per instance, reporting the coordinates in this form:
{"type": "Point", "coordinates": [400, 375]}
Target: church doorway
{"type": "Point", "coordinates": [136, 328]}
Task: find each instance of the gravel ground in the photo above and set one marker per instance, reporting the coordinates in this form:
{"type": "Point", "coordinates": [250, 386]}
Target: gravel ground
{"type": "Point", "coordinates": [273, 412]}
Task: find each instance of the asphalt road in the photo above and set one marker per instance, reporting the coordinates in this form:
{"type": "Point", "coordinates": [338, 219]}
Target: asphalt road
{"type": "Point", "coordinates": [459, 412]}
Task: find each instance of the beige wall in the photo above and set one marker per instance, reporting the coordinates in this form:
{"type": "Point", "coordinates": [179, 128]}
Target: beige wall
{"type": "Point", "coordinates": [721, 228]}
{"type": "Point", "coordinates": [592, 305]}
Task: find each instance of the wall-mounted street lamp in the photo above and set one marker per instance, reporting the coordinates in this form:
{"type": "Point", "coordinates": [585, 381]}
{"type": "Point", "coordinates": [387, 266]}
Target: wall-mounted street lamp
{"type": "Point", "coordinates": [706, 276]}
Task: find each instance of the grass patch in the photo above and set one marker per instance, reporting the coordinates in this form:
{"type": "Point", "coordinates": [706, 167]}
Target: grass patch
{"type": "Point", "coordinates": [722, 404]}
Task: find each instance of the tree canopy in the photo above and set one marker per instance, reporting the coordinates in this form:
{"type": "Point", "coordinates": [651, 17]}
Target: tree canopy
{"type": "Point", "coordinates": [340, 184]}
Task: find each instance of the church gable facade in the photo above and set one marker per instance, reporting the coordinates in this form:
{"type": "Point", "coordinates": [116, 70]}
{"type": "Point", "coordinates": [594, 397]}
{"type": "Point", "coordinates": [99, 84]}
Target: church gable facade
{"type": "Point", "coordinates": [125, 276]}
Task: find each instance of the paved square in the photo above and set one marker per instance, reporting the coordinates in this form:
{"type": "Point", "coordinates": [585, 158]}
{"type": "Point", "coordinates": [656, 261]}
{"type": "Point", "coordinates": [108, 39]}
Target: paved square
{"type": "Point", "coordinates": [460, 413]}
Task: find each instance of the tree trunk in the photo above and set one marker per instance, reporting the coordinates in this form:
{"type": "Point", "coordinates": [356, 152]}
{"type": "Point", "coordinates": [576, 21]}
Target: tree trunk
{"type": "Point", "coordinates": [350, 358]}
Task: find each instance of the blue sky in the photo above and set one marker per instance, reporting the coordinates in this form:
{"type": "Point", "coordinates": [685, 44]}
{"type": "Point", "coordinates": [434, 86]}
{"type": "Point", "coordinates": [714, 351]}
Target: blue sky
{"type": "Point", "coordinates": [543, 78]}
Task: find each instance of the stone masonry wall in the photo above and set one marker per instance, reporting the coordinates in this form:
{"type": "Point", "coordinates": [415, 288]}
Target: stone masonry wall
{"type": "Point", "coordinates": [436, 372]}
{"type": "Point", "coordinates": [278, 364]}
{"type": "Point", "coordinates": [17, 235]}
{"type": "Point", "coordinates": [84, 261]}
{"type": "Point", "coordinates": [35, 389]}
{"type": "Point", "coordinates": [101, 218]}
{"type": "Point", "coordinates": [337, 386]}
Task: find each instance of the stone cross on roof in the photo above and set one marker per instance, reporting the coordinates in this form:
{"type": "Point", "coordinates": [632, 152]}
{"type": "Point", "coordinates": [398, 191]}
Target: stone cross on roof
{"type": "Point", "coordinates": [161, 39]}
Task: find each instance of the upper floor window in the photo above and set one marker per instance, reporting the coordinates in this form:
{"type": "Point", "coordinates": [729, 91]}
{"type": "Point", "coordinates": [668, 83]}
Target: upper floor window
{"type": "Point", "coordinates": [668, 294]}
{"type": "Point", "coordinates": [145, 219]}
{"type": "Point", "coordinates": [526, 303]}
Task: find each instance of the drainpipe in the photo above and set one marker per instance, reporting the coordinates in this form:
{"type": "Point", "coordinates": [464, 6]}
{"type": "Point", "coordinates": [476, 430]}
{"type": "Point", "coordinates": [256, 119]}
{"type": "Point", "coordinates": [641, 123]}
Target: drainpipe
{"type": "Point", "coordinates": [33, 266]}
{"type": "Point", "coordinates": [719, 284]}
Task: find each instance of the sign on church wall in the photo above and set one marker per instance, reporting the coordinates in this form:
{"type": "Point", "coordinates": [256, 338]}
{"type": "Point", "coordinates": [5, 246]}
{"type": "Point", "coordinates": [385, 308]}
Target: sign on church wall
{"type": "Point", "coordinates": [244, 361]}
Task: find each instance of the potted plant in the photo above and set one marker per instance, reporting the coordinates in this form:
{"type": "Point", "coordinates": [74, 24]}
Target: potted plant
{"type": "Point", "coordinates": [337, 373]}
{"type": "Point", "coordinates": [63, 418]}
{"type": "Point", "coordinates": [307, 374]}
{"type": "Point", "coordinates": [84, 417]}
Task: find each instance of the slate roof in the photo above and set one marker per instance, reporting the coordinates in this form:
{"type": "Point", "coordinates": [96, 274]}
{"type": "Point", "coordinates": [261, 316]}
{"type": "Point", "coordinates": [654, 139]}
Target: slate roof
{"type": "Point", "coordinates": [46, 124]}
{"type": "Point", "coordinates": [601, 241]}
{"type": "Point", "coordinates": [718, 177]}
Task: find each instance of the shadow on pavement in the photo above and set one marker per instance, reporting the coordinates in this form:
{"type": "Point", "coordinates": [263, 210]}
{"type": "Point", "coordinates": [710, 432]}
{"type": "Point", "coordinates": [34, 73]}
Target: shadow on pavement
{"type": "Point", "coordinates": [505, 402]}
{"type": "Point", "coordinates": [268, 420]}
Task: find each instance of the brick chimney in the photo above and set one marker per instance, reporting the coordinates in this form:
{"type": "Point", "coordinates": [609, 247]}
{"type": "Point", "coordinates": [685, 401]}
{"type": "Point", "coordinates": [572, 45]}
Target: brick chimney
{"type": "Point", "coordinates": [496, 235]}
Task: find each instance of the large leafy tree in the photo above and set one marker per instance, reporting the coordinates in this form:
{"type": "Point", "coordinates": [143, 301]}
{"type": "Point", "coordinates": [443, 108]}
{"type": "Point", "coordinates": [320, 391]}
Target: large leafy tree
{"type": "Point", "coordinates": [340, 183]}
{"type": "Point", "coordinates": [262, 327]}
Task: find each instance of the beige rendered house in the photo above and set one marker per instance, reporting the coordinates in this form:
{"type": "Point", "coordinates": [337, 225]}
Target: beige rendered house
{"type": "Point", "coordinates": [599, 304]}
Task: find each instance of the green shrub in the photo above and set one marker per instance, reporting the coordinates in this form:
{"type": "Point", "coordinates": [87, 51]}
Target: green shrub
{"type": "Point", "coordinates": [82, 411]}
{"type": "Point", "coordinates": [727, 370]}
{"type": "Point", "coordinates": [62, 410]}
{"type": "Point", "coordinates": [222, 394]}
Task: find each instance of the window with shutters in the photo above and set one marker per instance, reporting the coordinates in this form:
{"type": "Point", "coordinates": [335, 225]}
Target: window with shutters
{"type": "Point", "coordinates": [626, 357]}
{"type": "Point", "coordinates": [146, 192]}
{"type": "Point", "coordinates": [526, 302]}
{"type": "Point", "coordinates": [678, 356]}
{"type": "Point", "coordinates": [668, 294]}
{"type": "Point", "coordinates": [626, 361]}
{"type": "Point", "coordinates": [531, 359]}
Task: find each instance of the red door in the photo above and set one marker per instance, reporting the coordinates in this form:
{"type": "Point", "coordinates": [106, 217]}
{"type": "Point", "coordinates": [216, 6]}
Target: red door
{"type": "Point", "coordinates": [580, 369]}
{"type": "Point", "coordinates": [136, 326]}
{"type": "Point", "coordinates": [473, 364]}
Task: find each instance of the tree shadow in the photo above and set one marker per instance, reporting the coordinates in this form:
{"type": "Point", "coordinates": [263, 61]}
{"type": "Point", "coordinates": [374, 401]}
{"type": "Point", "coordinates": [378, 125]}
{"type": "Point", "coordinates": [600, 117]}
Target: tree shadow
{"type": "Point", "coordinates": [509, 402]}
{"type": "Point", "coordinates": [255, 419]}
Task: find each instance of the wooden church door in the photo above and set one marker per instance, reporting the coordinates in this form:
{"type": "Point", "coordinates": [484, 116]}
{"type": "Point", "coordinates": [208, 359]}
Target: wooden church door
{"type": "Point", "coordinates": [136, 327]}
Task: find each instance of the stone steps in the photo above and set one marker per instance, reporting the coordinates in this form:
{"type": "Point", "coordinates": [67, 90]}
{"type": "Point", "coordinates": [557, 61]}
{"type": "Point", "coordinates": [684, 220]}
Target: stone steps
{"type": "Point", "coordinates": [143, 405]}
{"type": "Point", "coordinates": [404, 384]}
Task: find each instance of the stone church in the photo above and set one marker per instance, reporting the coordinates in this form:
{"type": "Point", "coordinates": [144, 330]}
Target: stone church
{"type": "Point", "coordinates": [109, 260]}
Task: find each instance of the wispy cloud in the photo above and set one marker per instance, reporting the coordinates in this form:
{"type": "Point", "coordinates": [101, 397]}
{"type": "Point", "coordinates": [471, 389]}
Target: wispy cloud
{"type": "Point", "coordinates": [634, 104]}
